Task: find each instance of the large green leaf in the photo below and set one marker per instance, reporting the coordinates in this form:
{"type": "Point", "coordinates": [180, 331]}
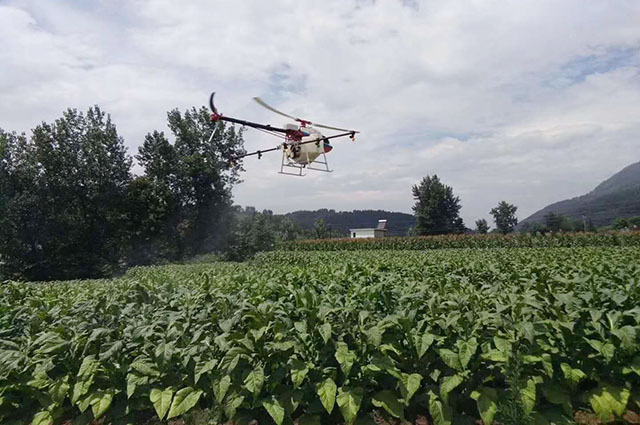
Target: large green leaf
{"type": "Point", "coordinates": [184, 400]}
{"type": "Point", "coordinates": [451, 359]}
{"type": "Point", "coordinates": [380, 362]}
{"type": "Point", "coordinates": [440, 412]}
{"type": "Point", "coordinates": [112, 351]}
{"type": "Point", "coordinates": [161, 400]}
{"type": "Point", "coordinates": [327, 390]}
{"type": "Point", "coordinates": [502, 344]}
{"type": "Point", "coordinates": [145, 367]}
{"type": "Point", "coordinates": [487, 401]}
{"type": "Point", "coordinates": [275, 410]}
{"type": "Point", "coordinates": [527, 331]}
{"type": "Point", "coordinates": [84, 403]}
{"type": "Point", "coordinates": [234, 400]}
{"type": "Point", "coordinates": [627, 336]}
{"type": "Point", "coordinates": [85, 378]}
{"type": "Point", "coordinates": [466, 350]}
{"type": "Point", "coordinates": [609, 401]}
{"type": "Point", "coordinates": [325, 332]}
{"type": "Point", "coordinates": [81, 388]}
{"type": "Point", "coordinates": [345, 357]}
{"type": "Point", "coordinates": [165, 351]}
{"type": "Point", "coordinates": [349, 400]}
{"type": "Point", "coordinates": [496, 356]}
{"type": "Point", "coordinates": [39, 381]}
{"type": "Point", "coordinates": [254, 381]}
{"type": "Point", "coordinates": [528, 396]}
{"type": "Point", "coordinates": [133, 380]}
{"type": "Point", "coordinates": [448, 384]}
{"type": "Point", "coordinates": [422, 342]}
{"type": "Point", "coordinates": [606, 349]}
{"type": "Point", "coordinates": [572, 375]}
{"type": "Point", "coordinates": [59, 390]}
{"type": "Point", "coordinates": [299, 370]}
{"type": "Point", "coordinates": [42, 418]}
{"type": "Point", "coordinates": [221, 387]}
{"type": "Point", "coordinates": [389, 402]}
{"type": "Point", "coordinates": [258, 333]}
{"type": "Point", "coordinates": [374, 335]}
{"type": "Point", "coordinates": [409, 384]}
{"type": "Point", "coordinates": [100, 403]}
{"type": "Point", "coordinates": [202, 368]}
{"type": "Point", "coordinates": [88, 367]}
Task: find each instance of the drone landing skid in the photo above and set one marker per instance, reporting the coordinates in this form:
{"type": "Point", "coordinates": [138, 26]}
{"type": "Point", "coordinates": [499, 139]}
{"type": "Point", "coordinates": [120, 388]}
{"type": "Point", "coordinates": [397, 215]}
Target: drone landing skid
{"type": "Point", "coordinates": [300, 173]}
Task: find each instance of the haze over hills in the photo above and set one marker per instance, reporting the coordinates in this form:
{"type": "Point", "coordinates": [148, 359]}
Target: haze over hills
{"type": "Point", "coordinates": [618, 196]}
{"type": "Point", "coordinates": [398, 223]}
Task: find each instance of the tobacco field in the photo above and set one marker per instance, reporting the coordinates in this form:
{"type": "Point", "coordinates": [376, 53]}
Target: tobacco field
{"type": "Point", "coordinates": [330, 337]}
{"type": "Point", "coordinates": [492, 240]}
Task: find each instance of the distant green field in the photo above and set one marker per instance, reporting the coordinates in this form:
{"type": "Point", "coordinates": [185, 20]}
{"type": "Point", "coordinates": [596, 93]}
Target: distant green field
{"type": "Point", "coordinates": [492, 240]}
{"type": "Point", "coordinates": [329, 337]}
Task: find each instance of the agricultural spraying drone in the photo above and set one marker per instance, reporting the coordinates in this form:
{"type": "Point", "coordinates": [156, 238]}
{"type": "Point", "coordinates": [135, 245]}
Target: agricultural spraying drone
{"type": "Point", "coordinates": [303, 145]}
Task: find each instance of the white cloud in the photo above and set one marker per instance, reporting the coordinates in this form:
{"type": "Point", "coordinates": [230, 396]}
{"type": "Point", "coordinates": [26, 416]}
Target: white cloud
{"type": "Point", "coordinates": [527, 101]}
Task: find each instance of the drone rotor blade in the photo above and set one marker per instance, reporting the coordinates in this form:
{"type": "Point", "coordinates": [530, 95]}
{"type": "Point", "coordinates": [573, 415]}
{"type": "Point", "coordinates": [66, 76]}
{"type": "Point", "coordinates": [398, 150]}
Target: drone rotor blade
{"type": "Point", "coordinates": [211, 105]}
{"type": "Point", "coordinates": [272, 109]}
{"type": "Point", "coordinates": [332, 128]}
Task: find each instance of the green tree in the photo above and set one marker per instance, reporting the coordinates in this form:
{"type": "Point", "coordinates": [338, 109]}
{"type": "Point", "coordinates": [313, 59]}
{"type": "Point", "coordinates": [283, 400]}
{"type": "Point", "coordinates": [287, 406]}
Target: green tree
{"type": "Point", "coordinates": [251, 232]}
{"type": "Point", "coordinates": [287, 230]}
{"type": "Point", "coordinates": [557, 222]}
{"type": "Point", "coordinates": [152, 222]}
{"type": "Point", "coordinates": [66, 213]}
{"type": "Point", "coordinates": [621, 223]}
{"type": "Point", "coordinates": [482, 226]}
{"type": "Point", "coordinates": [195, 174]}
{"type": "Point", "coordinates": [436, 208]}
{"type": "Point", "coordinates": [320, 229]}
{"type": "Point", "coordinates": [16, 201]}
{"type": "Point", "coordinates": [634, 221]}
{"type": "Point", "coordinates": [504, 216]}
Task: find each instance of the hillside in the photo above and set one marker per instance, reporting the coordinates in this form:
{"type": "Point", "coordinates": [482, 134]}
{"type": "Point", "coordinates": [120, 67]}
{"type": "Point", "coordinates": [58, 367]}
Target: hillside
{"type": "Point", "coordinates": [618, 196]}
{"type": "Point", "coordinates": [398, 223]}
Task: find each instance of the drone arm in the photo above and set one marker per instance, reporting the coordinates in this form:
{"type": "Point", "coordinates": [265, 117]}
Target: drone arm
{"type": "Point", "coordinates": [216, 116]}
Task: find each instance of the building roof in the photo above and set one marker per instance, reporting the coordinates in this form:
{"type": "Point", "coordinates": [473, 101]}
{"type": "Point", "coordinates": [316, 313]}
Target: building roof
{"type": "Point", "coordinates": [382, 225]}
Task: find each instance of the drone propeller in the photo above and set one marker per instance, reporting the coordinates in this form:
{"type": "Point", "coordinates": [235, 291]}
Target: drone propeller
{"type": "Point", "coordinates": [272, 109]}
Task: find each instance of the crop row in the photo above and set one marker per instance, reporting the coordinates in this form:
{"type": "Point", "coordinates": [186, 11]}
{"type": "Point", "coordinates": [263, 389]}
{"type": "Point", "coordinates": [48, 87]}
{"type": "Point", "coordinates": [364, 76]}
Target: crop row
{"type": "Point", "coordinates": [331, 337]}
{"type": "Point", "coordinates": [549, 240]}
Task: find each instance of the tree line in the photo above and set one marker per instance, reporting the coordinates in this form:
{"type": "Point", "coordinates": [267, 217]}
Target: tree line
{"type": "Point", "coordinates": [71, 207]}
{"type": "Point", "coordinates": [437, 211]}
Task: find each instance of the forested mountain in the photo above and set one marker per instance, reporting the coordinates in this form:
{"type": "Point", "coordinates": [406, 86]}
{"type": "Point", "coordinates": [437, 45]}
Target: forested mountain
{"type": "Point", "coordinates": [618, 196]}
{"type": "Point", "coordinates": [398, 223]}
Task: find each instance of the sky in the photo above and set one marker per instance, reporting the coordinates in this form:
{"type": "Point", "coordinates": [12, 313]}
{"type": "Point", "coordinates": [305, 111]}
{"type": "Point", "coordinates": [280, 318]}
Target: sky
{"type": "Point", "coordinates": [527, 101]}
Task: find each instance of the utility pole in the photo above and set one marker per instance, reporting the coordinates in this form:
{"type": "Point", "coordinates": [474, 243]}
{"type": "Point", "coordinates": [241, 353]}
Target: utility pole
{"type": "Point", "coordinates": [584, 223]}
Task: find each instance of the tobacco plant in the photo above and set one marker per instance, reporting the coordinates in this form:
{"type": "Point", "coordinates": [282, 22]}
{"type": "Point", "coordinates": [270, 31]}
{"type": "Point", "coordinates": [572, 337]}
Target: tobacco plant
{"type": "Point", "coordinates": [331, 337]}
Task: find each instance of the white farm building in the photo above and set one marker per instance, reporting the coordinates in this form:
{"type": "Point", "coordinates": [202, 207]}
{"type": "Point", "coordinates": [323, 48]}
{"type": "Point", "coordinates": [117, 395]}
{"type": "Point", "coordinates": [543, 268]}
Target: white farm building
{"type": "Point", "coordinates": [374, 232]}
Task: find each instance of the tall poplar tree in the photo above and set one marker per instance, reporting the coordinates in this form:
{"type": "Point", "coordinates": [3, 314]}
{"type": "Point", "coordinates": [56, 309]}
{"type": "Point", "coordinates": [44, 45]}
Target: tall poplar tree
{"type": "Point", "coordinates": [437, 210]}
